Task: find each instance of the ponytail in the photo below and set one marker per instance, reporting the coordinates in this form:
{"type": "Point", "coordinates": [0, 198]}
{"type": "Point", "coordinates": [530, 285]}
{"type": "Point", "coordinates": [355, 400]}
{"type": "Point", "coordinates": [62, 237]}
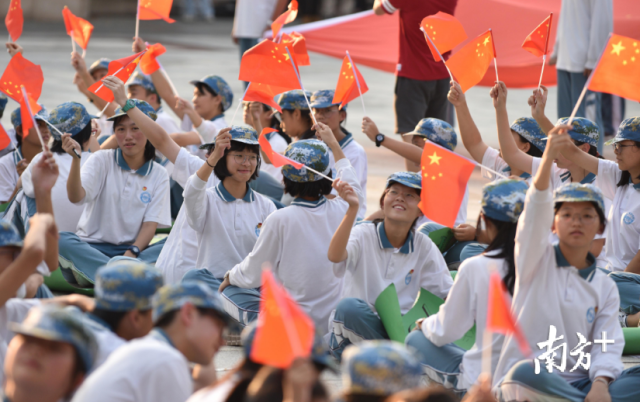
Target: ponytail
{"type": "Point", "coordinates": [505, 243]}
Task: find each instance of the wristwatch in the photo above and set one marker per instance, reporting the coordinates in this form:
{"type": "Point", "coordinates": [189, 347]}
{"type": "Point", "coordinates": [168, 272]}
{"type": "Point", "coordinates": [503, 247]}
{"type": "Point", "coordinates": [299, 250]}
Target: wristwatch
{"type": "Point", "coordinates": [134, 250]}
{"type": "Point", "coordinates": [128, 105]}
{"type": "Point", "coordinates": [379, 139]}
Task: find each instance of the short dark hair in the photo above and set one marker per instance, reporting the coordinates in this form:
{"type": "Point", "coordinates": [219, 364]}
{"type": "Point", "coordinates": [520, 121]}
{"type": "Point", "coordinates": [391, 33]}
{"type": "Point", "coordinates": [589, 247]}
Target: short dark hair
{"type": "Point", "coordinates": [308, 189]}
{"type": "Point", "coordinates": [624, 178]}
{"type": "Point", "coordinates": [82, 138]}
{"type": "Point", "coordinates": [204, 88]}
{"type": "Point", "coordinates": [593, 151]}
{"type": "Point", "coordinates": [533, 150]}
{"type": "Point", "coordinates": [304, 115]}
{"type": "Point", "coordinates": [149, 149]}
{"type": "Point", "coordinates": [111, 318]}
{"type": "Point", "coordinates": [221, 170]}
{"type": "Point", "coordinates": [601, 215]}
{"type": "Point", "coordinates": [167, 319]}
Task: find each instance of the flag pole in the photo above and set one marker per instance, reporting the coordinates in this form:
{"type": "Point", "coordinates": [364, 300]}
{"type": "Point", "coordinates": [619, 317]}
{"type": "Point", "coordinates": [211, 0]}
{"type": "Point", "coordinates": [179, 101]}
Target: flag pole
{"type": "Point", "coordinates": [472, 161]}
{"type": "Point", "coordinates": [353, 68]}
{"type": "Point", "coordinates": [33, 119]}
{"type": "Point", "coordinates": [138, 18]}
{"type": "Point", "coordinates": [114, 74]}
{"type": "Point", "coordinates": [295, 70]}
{"type": "Point", "coordinates": [240, 103]}
{"type": "Point", "coordinates": [73, 43]}
{"type": "Point", "coordinates": [495, 63]}
{"type": "Point", "coordinates": [437, 51]}
{"type": "Point", "coordinates": [544, 58]}
{"type": "Point", "coordinates": [60, 133]}
{"type": "Point", "coordinates": [103, 109]}
{"type": "Point", "coordinates": [318, 173]}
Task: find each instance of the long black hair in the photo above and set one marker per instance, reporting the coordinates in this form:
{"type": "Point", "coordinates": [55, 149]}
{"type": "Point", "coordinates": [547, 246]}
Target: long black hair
{"type": "Point", "coordinates": [313, 189]}
{"type": "Point", "coordinates": [505, 244]}
{"type": "Point", "coordinates": [82, 138]}
{"type": "Point", "coordinates": [626, 176]}
{"type": "Point", "coordinates": [533, 150]}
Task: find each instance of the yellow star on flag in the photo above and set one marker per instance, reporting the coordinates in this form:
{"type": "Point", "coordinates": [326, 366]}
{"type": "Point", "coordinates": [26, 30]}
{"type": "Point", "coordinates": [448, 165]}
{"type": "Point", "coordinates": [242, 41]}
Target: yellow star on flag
{"type": "Point", "coordinates": [617, 48]}
{"type": "Point", "coordinates": [486, 40]}
{"type": "Point", "coordinates": [435, 158]}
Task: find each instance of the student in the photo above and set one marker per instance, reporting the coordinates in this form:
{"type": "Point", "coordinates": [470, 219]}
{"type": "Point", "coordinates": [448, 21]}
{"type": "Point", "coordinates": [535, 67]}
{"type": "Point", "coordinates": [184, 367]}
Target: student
{"type": "Point", "coordinates": [72, 118]}
{"type": "Point", "coordinates": [294, 240]}
{"type": "Point", "coordinates": [13, 164]}
{"type": "Point", "coordinates": [141, 87]}
{"type": "Point", "coordinates": [443, 361]}
{"type": "Point", "coordinates": [558, 285]}
{"type": "Point", "coordinates": [122, 309]}
{"type": "Point", "coordinates": [295, 119]}
{"type": "Point", "coordinates": [527, 135]}
{"type": "Point", "coordinates": [84, 78]}
{"type": "Point", "coordinates": [126, 197]}
{"type": "Point", "coordinates": [188, 320]}
{"type": "Point", "coordinates": [260, 116]}
{"type": "Point", "coordinates": [229, 217]}
{"type": "Point", "coordinates": [11, 133]}
{"type": "Point", "coordinates": [333, 115]}
{"type": "Point", "coordinates": [49, 357]}
{"type": "Point", "coordinates": [367, 257]}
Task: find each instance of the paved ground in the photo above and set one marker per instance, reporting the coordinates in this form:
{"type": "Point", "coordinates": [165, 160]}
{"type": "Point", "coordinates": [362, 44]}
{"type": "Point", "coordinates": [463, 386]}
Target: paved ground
{"type": "Point", "coordinates": [198, 49]}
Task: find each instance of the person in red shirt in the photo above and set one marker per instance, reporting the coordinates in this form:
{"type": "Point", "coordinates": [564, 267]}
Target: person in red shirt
{"type": "Point", "coordinates": [422, 83]}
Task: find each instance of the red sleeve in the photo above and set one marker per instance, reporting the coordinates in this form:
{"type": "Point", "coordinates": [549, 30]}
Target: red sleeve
{"type": "Point", "coordinates": [391, 6]}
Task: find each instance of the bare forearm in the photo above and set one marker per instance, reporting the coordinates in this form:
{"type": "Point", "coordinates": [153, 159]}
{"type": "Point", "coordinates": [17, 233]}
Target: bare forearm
{"type": "Point", "coordinates": [147, 231]}
{"type": "Point", "coordinates": [634, 265]}
{"type": "Point", "coordinates": [338, 246]}
{"type": "Point", "coordinates": [87, 78]}
{"type": "Point", "coordinates": [165, 91]}
{"type": "Point", "coordinates": [469, 133]}
{"type": "Point", "coordinates": [155, 134]}
{"type": "Point", "coordinates": [188, 138]}
{"type": "Point", "coordinates": [75, 191]}
{"type": "Point", "coordinates": [110, 143]}
{"type": "Point", "coordinates": [194, 117]}
{"type": "Point", "coordinates": [408, 151]}
{"type": "Point", "coordinates": [545, 124]}
{"type": "Point", "coordinates": [337, 151]}
{"type": "Point", "coordinates": [45, 205]}
{"type": "Point", "coordinates": [20, 269]}
{"type": "Point", "coordinates": [543, 177]}
{"type": "Point", "coordinates": [582, 159]}
{"type": "Point", "coordinates": [515, 158]}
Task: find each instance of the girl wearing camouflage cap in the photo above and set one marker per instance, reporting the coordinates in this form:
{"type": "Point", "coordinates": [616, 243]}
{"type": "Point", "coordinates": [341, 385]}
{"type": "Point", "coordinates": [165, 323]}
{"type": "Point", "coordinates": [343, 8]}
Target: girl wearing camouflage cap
{"type": "Point", "coordinates": [260, 116]}
{"type": "Point", "coordinates": [562, 300]}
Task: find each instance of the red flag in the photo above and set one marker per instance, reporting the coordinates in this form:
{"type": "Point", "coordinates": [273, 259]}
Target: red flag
{"type": "Point", "coordinates": [121, 68]}
{"type": "Point", "coordinates": [5, 141]}
{"type": "Point", "coordinates": [155, 10]}
{"type": "Point", "coordinates": [269, 63]}
{"type": "Point", "coordinates": [297, 46]}
{"type": "Point", "coordinates": [264, 93]}
{"type": "Point", "coordinates": [285, 18]}
{"type": "Point", "coordinates": [284, 331]}
{"type": "Point", "coordinates": [537, 43]}
{"type": "Point", "coordinates": [148, 62]}
{"type": "Point", "coordinates": [14, 20]}
{"type": "Point", "coordinates": [26, 117]}
{"type": "Point", "coordinates": [618, 70]}
{"type": "Point", "coordinates": [21, 71]}
{"type": "Point", "coordinates": [499, 318]}
{"type": "Point", "coordinates": [470, 63]}
{"type": "Point", "coordinates": [445, 175]}
{"type": "Point", "coordinates": [445, 31]}
{"type": "Point", "coordinates": [347, 87]}
{"type": "Point", "coordinates": [276, 159]}
{"type": "Point", "coordinates": [77, 28]}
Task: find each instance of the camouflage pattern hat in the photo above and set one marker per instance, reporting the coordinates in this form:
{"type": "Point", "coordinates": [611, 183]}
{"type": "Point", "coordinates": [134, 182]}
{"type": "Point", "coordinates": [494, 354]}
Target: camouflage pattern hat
{"type": "Point", "coordinates": [173, 297]}
{"type": "Point", "coordinates": [99, 64]}
{"type": "Point", "coordinates": [503, 199]}
{"type": "Point", "coordinates": [142, 80]}
{"type": "Point", "coordinates": [9, 235]}
{"type": "Point", "coordinates": [69, 117]}
{"type": "Point", "coordinates": [379, 368]}
{"type": "Point", "coordinates": [126, 285]}
{"type": "Point", "coordinates": [323, 99]}
{"type": "Point", "coordinates": [55, 323]}
{"type": "Point", "coordinates": [312, 153]}
{"type": "Point", "coordinates": [409, 179]}
{"type": "Point", "coordinates": [531, 131]}
{"type": "Point", "coordinates": [437, 131]}
{"type": "Point", "coordinates": [220, 87]}
{"type": "Point", "coordinates": [584, 130]}
{"type": "Point", "coordinates": [3, 101]}
{"type": "Point", "coordinates": [292, 100]}
{"type": "Point", "coordinates": [629, 130]}
{"type": "Point", "coordinates": [140, 104]}
{"type": "Point", "coordinates": [16, 118]}
{"type": "Point", "coordinates": [244, 134]}
{"type": "Point", "coordinates": [577, 192]}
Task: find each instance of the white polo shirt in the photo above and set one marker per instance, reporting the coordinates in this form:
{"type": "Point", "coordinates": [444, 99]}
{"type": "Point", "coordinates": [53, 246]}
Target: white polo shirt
{"type": "Point", "coordinates": [179, 252]}
{"type": "Point", "coordinates": [373, 264]}
{"type": "Point", "coordinates": [108, 341]}
{"type": "Point", "coordinates": [295, 240]}
{"type": "Point", "coordinates": [493, 160]}
{"type": "Point", "coordinates": [358, 158]}
{"type": "Point", "coordinates": [279, 145]}
{"type": "Point", "coordinates": [549, 291]}
{"type": "Point", "coordinates": [208, 130]}
{"type": "Point", "coordinates": [168, 123]}
{"type": "Point", "coordinates": [623, 234]}
{"type": "Point", "coordinates": [466, 306]}
{"type": "Point", "coordinates": [226, 227]}
{"type": "Point", "coordinates": [148, 369]}
{"type": "Point", "coordinates": [119, 200]}
{"type": "Point", "coordinates": [9, 174]}
{"type": "Point", "coordinates": [66, 213]}
{"type": "Point", "coordinates": [14, 310]}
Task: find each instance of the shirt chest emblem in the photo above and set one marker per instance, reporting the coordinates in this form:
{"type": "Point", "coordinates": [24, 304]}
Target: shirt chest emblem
{"type": "Point", "coordinates": [591, 314]}
{"type": "Point", "coordinates": [145, 196]}
{"type": "Point", "coordinates": [407, 279]}
{"type": "Point", "coordinates": [258, 229]}
{"type": "Point", "coordinates": [628, 218]}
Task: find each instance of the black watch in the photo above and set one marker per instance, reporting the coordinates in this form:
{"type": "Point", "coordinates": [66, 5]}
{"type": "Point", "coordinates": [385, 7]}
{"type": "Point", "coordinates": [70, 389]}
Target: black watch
{"type": "Point", "coordinates": [134, 250]}
{"type": "Point", "coordinates": [379, 139]}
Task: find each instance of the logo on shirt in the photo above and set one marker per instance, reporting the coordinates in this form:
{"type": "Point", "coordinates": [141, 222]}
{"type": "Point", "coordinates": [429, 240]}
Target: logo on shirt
{"type": "Point", "coordinates": [591, 315]}
{"type": "Point", "coordinates": [258, 229]}
{"type": "Point", "coordinates": [407, 279]}
{"type": "Point", "coordinates": [628, 218]}
{"type": "Point", "coordinates": [145, 196]}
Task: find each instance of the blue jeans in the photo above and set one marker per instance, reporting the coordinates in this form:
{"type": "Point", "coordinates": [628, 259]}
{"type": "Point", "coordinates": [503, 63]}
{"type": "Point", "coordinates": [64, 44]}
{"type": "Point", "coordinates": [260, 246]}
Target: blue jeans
{"type": "Point", "coordinates": [204, 6]}
{"type": "Point", "coordinates": [629, 290]}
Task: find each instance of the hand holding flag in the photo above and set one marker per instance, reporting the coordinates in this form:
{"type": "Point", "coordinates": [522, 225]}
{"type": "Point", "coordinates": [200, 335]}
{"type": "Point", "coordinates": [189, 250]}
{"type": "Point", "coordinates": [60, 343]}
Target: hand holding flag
{"type": "Point", "coordinates": [285, 18]}
{"type": "Point", "coordinates": [537, 43]}
{"type": "Point", "coordinates": [148, 62]}
{"type": "Point", "coordinates": [14, 20]}
{"type": "Point", "coordinates": [350, 84]}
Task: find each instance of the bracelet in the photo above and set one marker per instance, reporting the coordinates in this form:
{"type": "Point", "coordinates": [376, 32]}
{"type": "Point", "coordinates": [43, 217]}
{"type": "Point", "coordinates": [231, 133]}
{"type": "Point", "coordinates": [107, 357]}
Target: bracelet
{"type": "Point", "coordinates": [212, 167]}
{"type": "Point", "coordinates": [600, 379]}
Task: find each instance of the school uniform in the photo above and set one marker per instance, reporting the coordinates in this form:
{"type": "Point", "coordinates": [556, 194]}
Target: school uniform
{"type": "Point", "coordinates": [169, 125]}
{"type": "Point", "coordinates": [208, 129]}
{"type": "Point", "coordinates": [147, 369]}
{"type": "Point", "coordinates": [493, 160]}
{"type": "Point", "coordinates": [118, 201]}
{"type": "Point", "coordinates": [355, 153]}
{"type": "Point", "coordinates": [14, 310]}
{"type": "Point", "coordinates": [108, 341]}
{"type": "Point", "coordinates": [371, 266]}
{"type": "Point", "coordinates": [279, 145]}
{"type": "Point", "coordinates": [294, 240]}
{"type": "Point", "coordinates": [9, 174]}
{"type": "Point", "coordinates": [549, 291]}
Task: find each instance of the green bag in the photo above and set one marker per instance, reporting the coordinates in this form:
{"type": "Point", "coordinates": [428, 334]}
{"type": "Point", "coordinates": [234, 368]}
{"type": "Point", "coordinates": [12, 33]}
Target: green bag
{"type": "Point", "coordinates": [631, 341]}
{"type": "Point", "coordinates": [443, 238]}
{"type": "Point", "coordinates": [57, 283]}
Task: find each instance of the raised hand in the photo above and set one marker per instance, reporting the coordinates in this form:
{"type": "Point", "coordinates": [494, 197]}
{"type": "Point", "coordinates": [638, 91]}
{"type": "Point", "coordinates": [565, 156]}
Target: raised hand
{"type": "Point", "coordinates": [455, 95]}
{"type": "Point", "coordinates": [347, 193]}
{"type": "Point", "coordinates": [369, 128]}
{"type": "Point", "coordinates": [538, 102]}
{"type": "Point", "coordinates": [116, 86]}
{"type": "Point", "coordinates": [69, 144]}
{"type": "Point", "coordinates": [44, 173]}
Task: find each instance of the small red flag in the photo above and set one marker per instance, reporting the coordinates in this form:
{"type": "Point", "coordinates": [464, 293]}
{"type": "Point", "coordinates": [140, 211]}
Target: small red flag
{"type": "Point", "coordinates": [77, 28]}
{"type": "Point", "coordinates": [21, 71]}
{"type": "Point", "coordinates": [444, 30]}
{"type": "Point", "coordinates": [276, 159]}
{"type": "Point", "coordinates": [264, 93]}
{"type": "Point", "coordinates": [284, 332]}
{"type": "Point", "coordinates": [5, 141]}
{"type": "Point", "coordinates": [14, 20]}
{"type": "Point", "coordinates": [121, 68]}
{"type": "Point", "coordinates": [499, 318]}
{"type": "Point", "coordinates": [297, 46]}
{"type": "Point", "coordinates": [155, 10]}
{"type": "Point", "coordinates": [269, 63]}
{"type": "Point", "coordinates": [537, 43]}
{"type": "Point", "coordinates": [470, 63]}
{"type": "Point", "coordinates": [28, 119]}
{"type": "Point", "coordinates": [618, 70]}
{"type": "Point", "coordinates": [148, 62]}
{"type": "Point", "coordinates": [347, 87]}
{"type": "Point", "coordinates": [285, 18]}
{"type": "Point", "coordinates": [445, 175]}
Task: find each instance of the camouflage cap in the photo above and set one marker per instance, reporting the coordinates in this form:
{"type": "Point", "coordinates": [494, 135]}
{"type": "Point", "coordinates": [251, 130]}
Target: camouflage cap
{"type": "Point", "coordinates": [244, 134]}
{"type": "Point", "coordinates": [577, 192]}
{"type": "Point", "coordinates": [16, 117]}
{"type": "Point", "coordinates": [323, 99]}
{"type": "Point", "coordinates": [437, 131]}
{"type": "Point", "coordinates": [292, 100]}
{"type": "Point", "coordinates": [220, 87]}
{"type": "Point", "coordinates": [126, 285]}
{"type": "Point", "coordinates": [529, 129]}
{"type": "Point", "coordinates": [629, 130]}
{"type": "Point", "coordinates": [503, 199]}
{"type": "Point", "coordinates": [173, 297]}
{"type": "Point", "coordinates": [69, 117]}
{"type": "Point", "coordinates": [140, 104]}
{"type": "Point", "coordinates": [584, 130]}
{"type": "Point", "coordinates": [409, 179]}
{"type": "Point", "coordinates": [99, 64]}
{"type": "Point", "coordinates": [312, 153]}
{"type": "Point", "coordinates": [142, 80]}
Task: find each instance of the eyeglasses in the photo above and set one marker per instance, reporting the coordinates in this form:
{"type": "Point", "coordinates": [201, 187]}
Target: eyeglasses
{"type": "Point", "coordinates": [582, 218]}
{"type": "Point", "coordinates": [240, 159]}
{"type": "Point", "coordinates": [617, 146]}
